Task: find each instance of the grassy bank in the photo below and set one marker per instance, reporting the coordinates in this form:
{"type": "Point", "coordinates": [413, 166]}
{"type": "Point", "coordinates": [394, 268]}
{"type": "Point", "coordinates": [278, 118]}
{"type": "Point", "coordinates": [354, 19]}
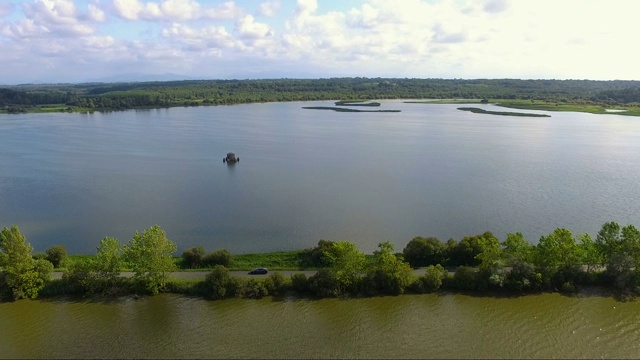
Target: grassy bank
{"type": "Point", "coordinates": [551, 106]}
{"type": "Point", "coordinates": [539, 105]}
{"type": "Point", "coordinates": [280, 260]}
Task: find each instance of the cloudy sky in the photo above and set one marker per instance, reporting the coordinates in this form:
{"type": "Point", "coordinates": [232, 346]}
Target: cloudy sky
{"type": "Point", "coordinates": [85, 40]}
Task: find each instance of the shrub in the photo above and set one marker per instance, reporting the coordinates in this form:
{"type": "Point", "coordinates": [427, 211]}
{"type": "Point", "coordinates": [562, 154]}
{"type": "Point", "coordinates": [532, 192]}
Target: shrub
{"type": "Point", "coordinates": [192, 257]}
{"type": "Point", "coordinates": [300, 283]}
{"type": "Point", "coordinates": [218, 283]}
{"type": "Point", "coordinates": [423, 251]}
{"type": "Point", "coordinates": [252, 289]}
{"type": "Point", "coordinates": [219, 257]}
{"type": "Point", "coordinates": [40, 256]}
{"type": "Point", "coordinates": [465, 278]}
{"type": "Point", "coordinates": [56, 254]}
{"type": "Point", "coordinates": [432, 279]}
{"type": "Point", "coordinates": [324, 284]}
{"type": "Point", "coordinates": [277, 284]}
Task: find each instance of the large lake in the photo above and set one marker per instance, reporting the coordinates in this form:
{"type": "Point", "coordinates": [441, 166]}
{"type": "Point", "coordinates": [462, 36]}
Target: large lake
{"type": "Point", "coordinates": [306, 175]}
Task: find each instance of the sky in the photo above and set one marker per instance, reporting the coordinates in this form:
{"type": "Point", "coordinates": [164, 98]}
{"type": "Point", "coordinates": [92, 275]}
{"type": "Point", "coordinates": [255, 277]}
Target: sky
{"type": "Point", "coordinates": [103, 40]}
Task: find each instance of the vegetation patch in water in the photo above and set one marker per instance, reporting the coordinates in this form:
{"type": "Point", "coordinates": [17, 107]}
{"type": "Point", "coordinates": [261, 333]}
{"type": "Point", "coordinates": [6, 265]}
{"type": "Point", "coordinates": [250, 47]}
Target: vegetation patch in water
{"type": "Point", "coordinates": [356, 103]}
{"type": "Point", "coordinates": [341, 109]}
{"type": "Point", "coordinates": [502, 113]}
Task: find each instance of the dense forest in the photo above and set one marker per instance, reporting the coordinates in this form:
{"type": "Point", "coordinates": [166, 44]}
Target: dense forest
{"type": "Point", "coordinates": [559, 261]}
{"type": "Point", "coordinates": [115, 96]}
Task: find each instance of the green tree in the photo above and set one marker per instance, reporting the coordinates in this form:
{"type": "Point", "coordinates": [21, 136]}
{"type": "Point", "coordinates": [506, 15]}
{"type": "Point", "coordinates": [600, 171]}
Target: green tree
{"type": "Point", "coordinates": [277, 284]}
{"type": "Point", "coordinates": [469, 247]}
{"type": "Point", "coordinates": [56, 255]}
{"type": "Point", "coordinates": [608, 241]}
{"type": "Point", "coordinates": [387, 274]}
{"type": "Point", "coordinates": [432, 279]}
{"type": "Point", "coordinates": [491, 255]}
{"type": "Point", "coordinates": [219, 283]}
{"type": "Point", "coordinates": [517, 249]}
{"type": "Point", "coordinates": [22, 276]}
{"type": "Point", "coordinates": [106, 268]}
{"type": "Point", "coordinates": [424, 251]}
{"type": "Point", "coordinates": [150, 256]}
{"type": "Point", "coordinates": [558, 249]}
{"type": "Point", "coordinates": [588, 251]}
{"type": "Point", "coordinates": [346, 263]}
{"type": "Point", "coordinates": [218, 257]}
{"type": "Point", "coordinates": [192, 257]}
{"type": "Point", "coordinates": [316, 256]}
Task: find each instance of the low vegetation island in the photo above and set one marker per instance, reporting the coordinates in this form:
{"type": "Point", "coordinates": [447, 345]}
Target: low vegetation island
{"type": "Point", "coordinates": [503, 113]}
{"type": "Point", "coordinates": [552, 95]}
{"type": "Point", "coordinates": [341, 109]}
{"type": "Point", "coordinates": [481, 263]}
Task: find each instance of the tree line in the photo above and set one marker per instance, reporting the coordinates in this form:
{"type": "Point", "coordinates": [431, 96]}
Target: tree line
{"type": "Point", "coordinates": [114, 96]}
{"type": "Point", "coordinates": [559, 261]}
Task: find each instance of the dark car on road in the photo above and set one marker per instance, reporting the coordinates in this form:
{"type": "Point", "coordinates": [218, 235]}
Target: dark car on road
{"type": "Point", "coordinates": [258, 271]}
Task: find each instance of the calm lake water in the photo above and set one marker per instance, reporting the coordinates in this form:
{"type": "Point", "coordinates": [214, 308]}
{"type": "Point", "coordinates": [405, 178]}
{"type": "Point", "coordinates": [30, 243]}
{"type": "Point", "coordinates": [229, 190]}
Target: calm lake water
{"type": "Point", "coordinates": [408, 326]}
{"type": "Point", "coordinates": [306, 175]}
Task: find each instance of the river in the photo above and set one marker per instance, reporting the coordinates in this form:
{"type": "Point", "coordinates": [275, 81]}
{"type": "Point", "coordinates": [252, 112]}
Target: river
{"type": "Point", "coordinates": [591, 325]}
{"type": "Point", "coordinates": [306, 175]}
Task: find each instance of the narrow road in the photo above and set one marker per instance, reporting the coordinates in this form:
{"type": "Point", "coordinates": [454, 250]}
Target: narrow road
{"type": "Point", "coordinates": [202, 274]}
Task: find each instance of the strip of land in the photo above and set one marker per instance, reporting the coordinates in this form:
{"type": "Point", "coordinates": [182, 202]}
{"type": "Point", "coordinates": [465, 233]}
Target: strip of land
{"type": "Point", "coordinates": [502, 113]}
{"type": "Point", "coordinates": [340, 109]}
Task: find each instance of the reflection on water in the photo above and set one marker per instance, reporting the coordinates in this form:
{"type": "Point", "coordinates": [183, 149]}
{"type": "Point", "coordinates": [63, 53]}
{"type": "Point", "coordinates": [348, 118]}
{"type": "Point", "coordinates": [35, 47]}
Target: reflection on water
{"type": "Point", "coordinates": [420, 326]}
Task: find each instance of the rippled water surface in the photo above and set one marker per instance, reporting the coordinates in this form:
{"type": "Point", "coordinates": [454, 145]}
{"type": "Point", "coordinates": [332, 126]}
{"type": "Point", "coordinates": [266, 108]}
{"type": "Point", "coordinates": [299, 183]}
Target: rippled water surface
{"type": "Point", "coordinates": [420, 326]}
{"type": "Point", "coordinates": [307, 175]}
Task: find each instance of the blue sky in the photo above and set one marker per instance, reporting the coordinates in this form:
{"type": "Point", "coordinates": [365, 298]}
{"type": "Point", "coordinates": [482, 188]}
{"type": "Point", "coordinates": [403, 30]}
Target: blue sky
{"type": "Point", "coordinates": [84, 40]}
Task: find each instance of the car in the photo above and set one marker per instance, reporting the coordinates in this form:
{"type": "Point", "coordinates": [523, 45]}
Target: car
{"type": "Point", "coordinates": [258, 271]}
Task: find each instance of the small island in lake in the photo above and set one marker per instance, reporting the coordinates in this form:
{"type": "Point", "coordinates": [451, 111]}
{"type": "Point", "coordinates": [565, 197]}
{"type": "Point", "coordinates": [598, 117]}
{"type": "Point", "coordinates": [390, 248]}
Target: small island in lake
{"type": "Point", "coordinates": [339, 109]}
{"type": "Point", "coordinates": [503, 113]}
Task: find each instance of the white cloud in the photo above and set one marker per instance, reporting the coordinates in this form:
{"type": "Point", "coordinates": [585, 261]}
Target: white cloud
{"type": "Point", "coordinates": [212, 38]}
{"type": "Point", "coordinates": [269, 8]}
{"type": "Point", "coordinates": [414, 38]}
{"type": "Point", "coordinates": [58, 18]}
{"type": "Point", "coordinates": [306, 7]}
{"type": "Point", "coordinates": [249, 29]}
{"type": "Point", "coordinates": [174, 10]}
{"type": "Point", "coordinates": [5, 9]}
{"type": "Point", "coordinates": [94, 13]}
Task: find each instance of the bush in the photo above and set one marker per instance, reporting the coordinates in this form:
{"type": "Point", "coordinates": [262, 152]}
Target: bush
{"type": "Point", "coordinates": [218, 283]}
{"type": "Point", "coordinates": [300, 283]}
{"type": "Point", "coordinates": [324, 284]}
{"type": "Point", "coordinates": [192, 257]}
{"type": "Point", "coordinates": [219, 257]}
{"type": "Point", "coordinates": [431, 281]}
{"type": "Point", "coordinates": [521, 277]}
{"type": "Point", "coordinates": [465, 278]}
{"type": "Point", "coordinates": [423, 251]}
{"type": "Point", "coordinates": [277, 284]}
{"type": "Point", "coordinates": [315, 257]}
{"type": "Point", "coordinates": [40, 256]}
{"type": "Point", "coordinates": [252, 289]}
{"type": "Point", "coordinates": [56, 254]}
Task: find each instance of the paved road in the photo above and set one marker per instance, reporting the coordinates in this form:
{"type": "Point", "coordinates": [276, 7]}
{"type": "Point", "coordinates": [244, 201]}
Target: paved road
{"type": "Point", "coordinates": [202, 274]}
